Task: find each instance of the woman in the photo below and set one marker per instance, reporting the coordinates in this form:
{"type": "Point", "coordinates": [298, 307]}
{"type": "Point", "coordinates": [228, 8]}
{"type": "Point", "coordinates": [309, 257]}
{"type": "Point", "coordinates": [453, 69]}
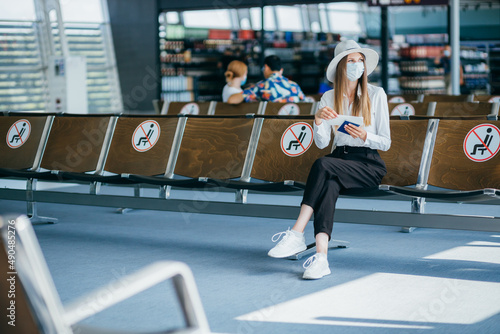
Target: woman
{"type": "Point", "coordinates": [236, 76]}
{"type": "Point", "coordinates": [354, 162]}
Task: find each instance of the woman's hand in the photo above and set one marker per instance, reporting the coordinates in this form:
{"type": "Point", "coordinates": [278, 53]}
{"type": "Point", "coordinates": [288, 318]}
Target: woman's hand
{"type": "Point", "coordinates": [356, 131]}
{"type": "Point", "coordinates": [324, 113]}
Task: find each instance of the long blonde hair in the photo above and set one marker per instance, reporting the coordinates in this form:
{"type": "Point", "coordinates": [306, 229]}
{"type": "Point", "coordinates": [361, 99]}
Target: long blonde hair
{"type": "Point", "coordinates": [235, 69]}
{"type": "Point", "coordinates": [361, 105]}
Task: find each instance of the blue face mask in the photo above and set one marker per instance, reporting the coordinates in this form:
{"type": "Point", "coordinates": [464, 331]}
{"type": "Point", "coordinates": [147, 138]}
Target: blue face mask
{"type": "Point", "coordinates": [244, 81]}
{"type": "Point", "coordinates": [355, 71]}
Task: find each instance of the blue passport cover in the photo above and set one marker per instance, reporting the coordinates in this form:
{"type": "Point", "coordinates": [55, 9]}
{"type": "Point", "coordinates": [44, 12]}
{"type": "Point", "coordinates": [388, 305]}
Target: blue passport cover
{"type": "Point", "coordinates": [342, 127]}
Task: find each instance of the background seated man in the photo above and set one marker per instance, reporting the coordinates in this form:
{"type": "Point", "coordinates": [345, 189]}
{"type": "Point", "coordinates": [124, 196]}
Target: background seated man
{"type": "Point", "coordinates": [274, 88]}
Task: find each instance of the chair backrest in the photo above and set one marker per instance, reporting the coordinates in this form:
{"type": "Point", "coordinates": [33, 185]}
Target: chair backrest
{"type": "Point", "coordinates": [285, 150]}
{"type": "Point", "coordinates": [404, 157]}
{"type": "Point", "coordinates": [157, 106]}
{"type": "Point", "coordinates": [222, 108]}
{"type": "Point", "coordinates": [487, 98]}
{"type": "Point", "coordinates": [408, 109]}
{"type": "Point", "coordinates": [446, 98]}
{"type": "Point", "coordinates": [214, 147]}
{"type": "Point", "coordinates": [186, 108]}
{"type": "Point", "coordinates": [21, 138]}
{"type": "Point", "coordinates": [141, 145]}
{"type": "Point", "coordinates": [75, 143]}
{"type": "Point", "coordinates": [402, 98]}
{"type": "Point", "coordinates": [300, 108]}
{"type": "Point", "coordinates": [315, 97]}
{"type": "Point", "coordinates": [38, 308]}
{"type": "Point", "coordinates": [464, 109]}
{"type": "Point", "coordinates": [466, 155]}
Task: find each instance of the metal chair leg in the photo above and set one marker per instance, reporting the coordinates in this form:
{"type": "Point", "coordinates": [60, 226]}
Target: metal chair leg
{"type": "Point", "coordinates": [137, 193]}
{"type": "Point", "coordinates": [311, 248]}
{"type": "Point", "coordinates": [35, 218]}
{"type": "Point", "coordinates": [31, 207]}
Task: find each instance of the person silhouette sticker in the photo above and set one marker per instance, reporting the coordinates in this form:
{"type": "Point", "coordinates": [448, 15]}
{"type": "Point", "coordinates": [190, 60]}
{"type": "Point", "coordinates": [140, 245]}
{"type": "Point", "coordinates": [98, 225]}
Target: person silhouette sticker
{"type": "Point", "coordinates": [485, 143]}
{"type": "Point", "coordinates": [297, 139]}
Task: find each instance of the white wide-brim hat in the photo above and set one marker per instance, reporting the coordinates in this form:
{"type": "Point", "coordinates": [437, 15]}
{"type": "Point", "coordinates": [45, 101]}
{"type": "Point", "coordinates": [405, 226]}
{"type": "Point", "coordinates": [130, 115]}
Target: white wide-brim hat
{"type": "Point", "coordinates": [346, 47]}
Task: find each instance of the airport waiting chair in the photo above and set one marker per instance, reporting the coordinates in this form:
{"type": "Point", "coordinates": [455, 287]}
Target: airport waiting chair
{"type": "Point", "coordinates": [227, 109]}
{"type": "Point", "coordinates": [465, 109]}
{"type": "Point", "coordinates": [464, 163]}
{"type": "Point", "coordinates": [404, 157]}
{"type": "Point", "coordinates": [445, 98]}
{"type": "Point", "coordinates": [157, 106]}
{"type": "Point", "coordinates": [187, 108]}
{"type": "Point", "coordinates": [290, 109]}
{"type": "Point", "coordinates": [25, 138]}
{"type": "Point", "coordinates": [68, 144]}
{"type": "Point", "coordinates": [407, 109]}
{"type": "Point", "coordinates": [38, 307]}
{"type": "Point", "coordinates": [402, 98]}
{"type": "Point", "coordinates": [208, 150]}
{"type": "Point", "coordinates": [281, 156]}
{"type": "Point", "coordinates": [487, 98]}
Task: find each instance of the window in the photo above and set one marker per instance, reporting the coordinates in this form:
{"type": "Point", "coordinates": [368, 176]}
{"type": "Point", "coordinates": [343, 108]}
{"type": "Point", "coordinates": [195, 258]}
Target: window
{"type": "Point", "coordinates": [344, 18]}
{"type": "Point", "coordinates": [289, 18]}
{"type": "Point", "coordinates": [22, 83]}
{"type": "Point", "coordinates": [24, 10]}
{"type": "Point", "coordinates": [269, 19]}
{"type": "Point", "coordinates": [87, 34]}
{"type": "Point", "coordinates": [82, 11]}
{"type": "Point", "coordinates": [214, 19]}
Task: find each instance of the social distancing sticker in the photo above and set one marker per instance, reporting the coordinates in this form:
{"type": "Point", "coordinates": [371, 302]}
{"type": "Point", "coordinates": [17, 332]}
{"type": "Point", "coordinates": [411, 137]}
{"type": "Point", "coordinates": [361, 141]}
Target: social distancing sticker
{"type": "Point", "coordinates": [397, 99]}
{"type": "Point", "coordinates": [146, 135]}
{"type": "Point", "coordinates": [297, 139]}
{"type": "Point", "coordinates": [482, 142]}
{"type": "Point", "coordinates": [18, 133]}
{"type": "Point", "coordinates": [403, 109]}
{"type": "Point", "coordinates": [190, 109]}
{"type": "Point", "coordinates": [494, 99]}
{"type": "Point", "coordinates": [289, 109]}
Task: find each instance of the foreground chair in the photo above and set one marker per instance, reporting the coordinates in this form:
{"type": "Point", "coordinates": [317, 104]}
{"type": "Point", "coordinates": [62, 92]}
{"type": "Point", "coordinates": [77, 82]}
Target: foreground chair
{"type": "Point", "coordinates": [39, 308]}
{"type": "Point", "coordinates": [464, 162]}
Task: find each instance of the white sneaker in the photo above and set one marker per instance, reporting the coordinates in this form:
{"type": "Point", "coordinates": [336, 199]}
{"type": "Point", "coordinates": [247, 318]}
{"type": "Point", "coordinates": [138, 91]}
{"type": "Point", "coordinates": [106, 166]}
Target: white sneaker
{"type": "Point", "coordinates": [288, 246]}
{"type": "Point", "coordinates": [316, 267]}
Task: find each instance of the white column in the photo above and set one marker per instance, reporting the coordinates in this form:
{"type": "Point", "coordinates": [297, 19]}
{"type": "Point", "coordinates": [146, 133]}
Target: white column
{"type": "Point", "coordinates": [455, 45]}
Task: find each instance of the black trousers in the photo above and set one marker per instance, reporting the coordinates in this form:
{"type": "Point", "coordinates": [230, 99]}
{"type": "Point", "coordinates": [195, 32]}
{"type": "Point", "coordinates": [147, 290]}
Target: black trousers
{"type": "Point", "coordinates": [345, 168]}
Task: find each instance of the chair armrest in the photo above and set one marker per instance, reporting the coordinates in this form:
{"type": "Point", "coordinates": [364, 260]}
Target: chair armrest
{"type": "Point", "coordinates": [139, 281]}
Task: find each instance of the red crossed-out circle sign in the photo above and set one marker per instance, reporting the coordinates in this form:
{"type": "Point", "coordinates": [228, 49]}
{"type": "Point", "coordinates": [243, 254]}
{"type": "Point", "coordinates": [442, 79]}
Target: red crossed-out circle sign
{"type": "Point", "coordinates": [190, 109]}
{"type": "Point", "coordinates": [18, 133]}
{"type": "Point", "coordinates": [396, 99]}
{"type": "Point", "coordinates": [482, 142]}
{"type": "Point", "coordinates": [146, 135]}
{"type": "Point", "coordinates": [403, 109]}
{"type": "Point", "coordinates": [297, 139]}
{"type": "Point", "coordinates": [289, 109]}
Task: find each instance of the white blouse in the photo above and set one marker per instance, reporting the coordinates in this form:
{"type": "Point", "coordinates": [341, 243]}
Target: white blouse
{"type": "Point", "coordinates": [227, 91]}
{"type": "Point", "coordinates": [378, 133]}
